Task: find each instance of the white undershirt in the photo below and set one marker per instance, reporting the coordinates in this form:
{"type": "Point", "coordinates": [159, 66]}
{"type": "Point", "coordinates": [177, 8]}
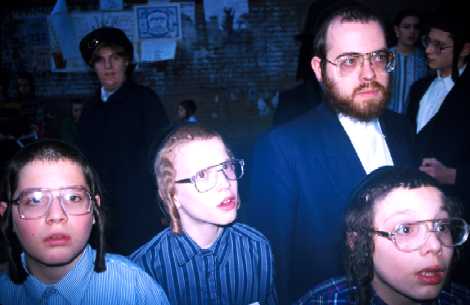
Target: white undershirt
{"type": "Point", "coordinates": [368, 142]}
{"type": "Point", "coordinates": [433, 98]}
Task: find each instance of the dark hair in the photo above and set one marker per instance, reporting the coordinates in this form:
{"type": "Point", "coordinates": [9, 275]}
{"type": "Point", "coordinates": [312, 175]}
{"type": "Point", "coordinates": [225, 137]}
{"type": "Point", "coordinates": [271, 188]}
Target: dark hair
{"type": "Point", "coordinates": [189, 106]}
{"type": "Point", "coordinates": [351, 12]}
{"type": "Point", "coordinates": [51, 151]}
{"type": "Point", "coordinates": [405, 13]}
{"type": "Point", "coordinates": [360, 217]}
{"type": "Point", "coordinates": [449, 20]}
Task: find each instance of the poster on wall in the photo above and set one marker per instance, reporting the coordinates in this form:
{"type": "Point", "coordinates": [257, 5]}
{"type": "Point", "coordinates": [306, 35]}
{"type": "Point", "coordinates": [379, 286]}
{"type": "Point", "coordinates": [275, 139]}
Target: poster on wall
{"type": "Point", "coordinates": [227, 11]}
{"type": "Point", "coordinates": [158, 29]}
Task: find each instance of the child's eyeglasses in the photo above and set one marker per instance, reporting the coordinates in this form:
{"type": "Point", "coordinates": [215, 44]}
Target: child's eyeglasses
{"type": "Point", "coordinates": [410, 237]}
{"type": "Point", "coordinates": [206, 179]}
{"type": "Point", "coordinates": [35, 203]}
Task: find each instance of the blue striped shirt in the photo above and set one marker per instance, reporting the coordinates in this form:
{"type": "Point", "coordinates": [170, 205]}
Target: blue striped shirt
{"type": "Point", "coordinates": [408, 69]}
{"type": "Point", "coordinates": [122, 283]}
{"type": "Point", "coordinates": [237, 269]}
{"type": "Point", "coordinates": [339, 291]}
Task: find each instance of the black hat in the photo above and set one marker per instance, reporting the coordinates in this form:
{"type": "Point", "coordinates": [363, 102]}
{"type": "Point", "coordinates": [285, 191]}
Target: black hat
{"type": "Point", "coordinates": [104, 36]}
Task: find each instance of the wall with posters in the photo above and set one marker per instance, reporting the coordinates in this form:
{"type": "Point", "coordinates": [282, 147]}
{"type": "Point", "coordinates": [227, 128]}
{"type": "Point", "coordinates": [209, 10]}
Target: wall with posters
{"type": "Point", "coordinates": [233, 65]}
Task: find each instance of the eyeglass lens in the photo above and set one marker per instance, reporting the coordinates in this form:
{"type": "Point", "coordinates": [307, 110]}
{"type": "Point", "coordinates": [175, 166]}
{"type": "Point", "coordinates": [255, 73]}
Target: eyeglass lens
{"type": "Point", "coordinates": [450, 232]}
{"type": "Point", "coordinates": [207, 178]}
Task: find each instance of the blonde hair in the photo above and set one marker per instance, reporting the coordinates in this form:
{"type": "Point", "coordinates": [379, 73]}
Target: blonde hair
{"type": "Point", "coordinates": [165, 171]}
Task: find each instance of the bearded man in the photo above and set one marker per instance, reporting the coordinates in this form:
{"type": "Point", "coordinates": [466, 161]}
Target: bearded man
{"type": "Point", "coordinates": [302, 172]}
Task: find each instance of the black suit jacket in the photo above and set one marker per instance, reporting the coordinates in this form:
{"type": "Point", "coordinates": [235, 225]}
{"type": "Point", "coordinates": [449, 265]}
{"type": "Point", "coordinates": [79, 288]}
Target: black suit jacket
{"type": "Point", "coordinates": [446, 136]}
{"type": "Point", "coordinates": [301, 177]}
{"type": "Point", "coordinates": [297, 101]}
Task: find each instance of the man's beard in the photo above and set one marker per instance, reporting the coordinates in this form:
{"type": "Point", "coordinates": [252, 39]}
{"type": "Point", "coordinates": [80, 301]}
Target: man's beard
{"type": "Point", "coordinates": [365, 110]}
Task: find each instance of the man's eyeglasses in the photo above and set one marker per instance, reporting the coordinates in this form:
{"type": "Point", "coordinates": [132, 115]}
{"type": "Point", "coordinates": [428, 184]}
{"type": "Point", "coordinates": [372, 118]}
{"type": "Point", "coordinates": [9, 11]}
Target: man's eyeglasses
{"type": "Point", "coordinates": [436, 45]}
{"type": "Point", "coordinates": [410, 237]}
{"type": "Point", "coordinates": [348, 63]}
{"type": "Point", "coordinates": [34, 203]}
{"type": "Point", "coordinates": [206, 179]}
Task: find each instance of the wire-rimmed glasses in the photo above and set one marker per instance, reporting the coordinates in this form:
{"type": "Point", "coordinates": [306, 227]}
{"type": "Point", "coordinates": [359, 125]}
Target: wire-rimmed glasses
{"type": "Point", "coordinates": [205, 179]}
{"type": "Point", "coordinates": [34, 203]}
{"type": "Point", "coordinates": [408, 237]}
{"type": "Point", "coordinates": [437, 46]}
{"type": "Point", "coordinates": [348, 63]}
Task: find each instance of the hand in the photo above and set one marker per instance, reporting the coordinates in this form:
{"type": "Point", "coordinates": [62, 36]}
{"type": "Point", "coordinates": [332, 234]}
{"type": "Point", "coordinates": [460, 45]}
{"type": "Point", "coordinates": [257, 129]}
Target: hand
{"type": "Point", "coordinates": [437, 170]}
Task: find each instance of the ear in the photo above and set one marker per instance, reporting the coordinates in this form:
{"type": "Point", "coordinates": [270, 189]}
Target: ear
{"type": "Point", "coordinates": [351, 238]}
{"type": "Point", "coordinates": [395, 28]}
{"type": "Point", "coordinates": [316, 67]}
{"type": "Point", "coordinates": [98, 200]}
{"type": "Point", "coordinates": [465, 50]}
{"type": "Point", "coordinates": [3, 207]}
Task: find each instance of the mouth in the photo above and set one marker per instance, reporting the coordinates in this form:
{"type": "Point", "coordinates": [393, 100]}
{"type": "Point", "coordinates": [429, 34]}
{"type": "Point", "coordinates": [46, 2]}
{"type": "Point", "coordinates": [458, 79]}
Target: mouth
{"type": "Point", "coordinates": [57, 239]}
{"type": "Point", "coordinates": [228, 204]}
{"type": "Point", "coordinates": [431, 276]}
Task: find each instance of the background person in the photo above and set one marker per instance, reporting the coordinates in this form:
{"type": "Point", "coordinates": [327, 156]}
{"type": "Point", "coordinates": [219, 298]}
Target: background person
{"type": "Point", "coordinates": [117, 131]}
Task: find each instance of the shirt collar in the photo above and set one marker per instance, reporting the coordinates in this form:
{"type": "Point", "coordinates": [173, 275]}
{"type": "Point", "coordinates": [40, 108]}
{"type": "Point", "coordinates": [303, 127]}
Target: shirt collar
{"type": "Point", "coordinates": [448, 81]}
{"type": "Point", "coordinates": [185, 249]}
{"type": "Point", "coordinates": [355, 124]}
{"type": "Point", "coordinates": [105, 94]}
{"type": "Point", "coordinates": [77, 277]}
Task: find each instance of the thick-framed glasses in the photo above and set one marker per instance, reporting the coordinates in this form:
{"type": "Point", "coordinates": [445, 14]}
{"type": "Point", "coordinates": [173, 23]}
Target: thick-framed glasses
{"type": "Point", "coordinates": [408, 237]}
{"type": "Point", "coordinates": [349, 63]}
{"type": "Point", "coordinates": [437, 46]}
{"type": "Point", "coordinates": [206, 179]}
{"type": "Point", "coordinates": [35, 203]}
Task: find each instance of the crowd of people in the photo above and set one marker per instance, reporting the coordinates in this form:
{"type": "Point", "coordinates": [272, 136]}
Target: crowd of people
{"type": "Point", "coordinates": [358, 198]}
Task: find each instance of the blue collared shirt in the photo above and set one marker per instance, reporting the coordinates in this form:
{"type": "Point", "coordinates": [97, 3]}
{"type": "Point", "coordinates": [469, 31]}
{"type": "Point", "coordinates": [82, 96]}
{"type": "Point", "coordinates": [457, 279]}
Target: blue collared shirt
{"type": "Point", "coordinates": [237, 269]}
{"type": "Point", "coordinates": [122, 283]}
{"type": "Point", "coordinates": [339, 291]}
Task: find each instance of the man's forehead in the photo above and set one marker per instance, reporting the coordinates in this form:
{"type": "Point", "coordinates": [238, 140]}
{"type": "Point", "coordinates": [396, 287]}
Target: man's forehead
{"type": "Point", "coordinates": [352, 36]}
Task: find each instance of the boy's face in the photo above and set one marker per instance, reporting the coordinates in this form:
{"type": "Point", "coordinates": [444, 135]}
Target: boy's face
{"type": "Point", "coordinates": [57, 239]}
{"type": "Point", "coordinates": [418, 275]}
{"type": "Point", "coordinates": [110, 67]}
{"type": "Point", "coordinates": [218, 205]}
{"type": "Point", "coordinates": [407, 31]}
{"type": "Point", "coordinates": [439, 51]}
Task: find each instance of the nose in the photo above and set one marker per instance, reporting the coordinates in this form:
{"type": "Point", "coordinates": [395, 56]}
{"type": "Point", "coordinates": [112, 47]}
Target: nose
{"type": "Point", "coordinates": [108, 63]}
{"type": "Point", "coordinates": [367, 70]}
{"type": "Point", "coordinates": [431, 245]}
{"type": "Point", "coordinates": [222, 181]}
{"type": "Point", "coordinates": [56, 212]}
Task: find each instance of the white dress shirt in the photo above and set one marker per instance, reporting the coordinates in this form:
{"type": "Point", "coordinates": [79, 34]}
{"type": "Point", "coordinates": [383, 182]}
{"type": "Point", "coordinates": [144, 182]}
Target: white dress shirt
{"type": "Point", "coordinates": [433, 99]}
{"type": "Point", "coordinates": [368, 142]}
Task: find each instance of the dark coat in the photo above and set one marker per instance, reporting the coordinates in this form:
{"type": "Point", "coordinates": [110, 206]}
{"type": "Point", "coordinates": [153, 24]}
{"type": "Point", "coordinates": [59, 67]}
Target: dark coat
{"type": "Point", "coordinates": [302, 175]}
{"type": "Point", "coordinates": [446, 136]}
{"type": "Point", "coordinates": [119, 137]}
{"type": "Point", "coordinates": [297, 101]}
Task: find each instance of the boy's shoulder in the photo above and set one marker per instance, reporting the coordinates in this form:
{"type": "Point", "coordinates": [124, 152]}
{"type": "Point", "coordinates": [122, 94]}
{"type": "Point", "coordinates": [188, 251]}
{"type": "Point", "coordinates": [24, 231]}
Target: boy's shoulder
{"type": "Point", "coordinates": [246, 232]}
{"type": "Point", "coordinates": [337, 290]}
{"type": "Point", "coordinates": [156, 243]}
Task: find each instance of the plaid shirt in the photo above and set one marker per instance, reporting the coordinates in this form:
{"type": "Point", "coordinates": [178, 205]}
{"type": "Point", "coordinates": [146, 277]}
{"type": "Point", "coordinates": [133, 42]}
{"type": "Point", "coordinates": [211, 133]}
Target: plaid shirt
{"type": "Point", "coordinates": [338, 291]}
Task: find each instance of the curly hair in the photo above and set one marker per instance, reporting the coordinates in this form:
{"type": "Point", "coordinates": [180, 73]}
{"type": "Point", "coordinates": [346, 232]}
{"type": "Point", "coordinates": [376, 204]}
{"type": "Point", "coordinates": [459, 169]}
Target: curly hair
{"type": "Point", "coordinates": [164, 168]}
{"type": "Point", "coordinates": [360, 219]}
{"type": "Point", "coordinates": [51, 151]}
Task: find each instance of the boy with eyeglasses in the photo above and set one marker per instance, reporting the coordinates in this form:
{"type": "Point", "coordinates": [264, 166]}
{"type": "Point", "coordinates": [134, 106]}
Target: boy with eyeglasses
{"type": "Point", "coordinates": [439, 108]}
{"type": "Point", "coordinates": [401, 237]}
{"type": "Point", "coordinates": [204, 257]}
